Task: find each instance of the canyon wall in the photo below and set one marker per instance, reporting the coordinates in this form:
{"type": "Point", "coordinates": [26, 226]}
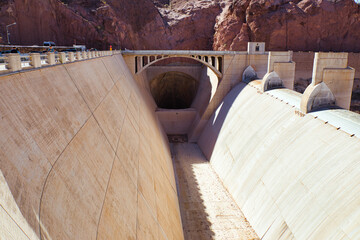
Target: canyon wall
{"type": "Point", "coordinates": [298, 25]}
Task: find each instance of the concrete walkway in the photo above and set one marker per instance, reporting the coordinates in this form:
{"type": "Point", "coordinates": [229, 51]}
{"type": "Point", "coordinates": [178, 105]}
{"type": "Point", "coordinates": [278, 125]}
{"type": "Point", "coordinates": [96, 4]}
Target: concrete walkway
{"type": "Point", "coordinates": [207, 209]}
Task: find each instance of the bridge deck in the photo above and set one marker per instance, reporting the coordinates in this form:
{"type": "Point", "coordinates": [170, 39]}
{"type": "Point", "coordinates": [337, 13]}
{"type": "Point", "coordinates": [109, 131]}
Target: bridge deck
{"type": "Point", "coordinates": [207, 209]}
{"type": "Point", "coordinates": [180, 52]}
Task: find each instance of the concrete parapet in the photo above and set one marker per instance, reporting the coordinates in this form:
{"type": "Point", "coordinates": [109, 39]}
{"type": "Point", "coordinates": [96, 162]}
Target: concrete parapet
{"type": "Point", "coordinates": [13, 62]}
{"type": "Point", "coordinates": [84, 55]}
{"type": "Point", "coordinates": [62, 57]}
{"type": "Point", "coordinates": [71, 57]}
{"type": "Point", "coordinates": [78, 56]}
{"type": "Point", "coordinates": [35, 60]}
{"type": "Point", "coordinates": [331, 84]}
{"type": "Point", "coordinates": [51, 58]}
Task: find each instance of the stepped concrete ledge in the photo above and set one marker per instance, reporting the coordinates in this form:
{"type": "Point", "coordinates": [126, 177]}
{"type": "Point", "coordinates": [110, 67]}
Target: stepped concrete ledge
{"type": "Point", "coordinates": [85, 151]}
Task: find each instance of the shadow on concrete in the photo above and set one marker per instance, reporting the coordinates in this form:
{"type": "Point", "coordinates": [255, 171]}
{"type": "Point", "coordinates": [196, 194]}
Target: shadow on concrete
{"type": "Point", "coordinates": [216, 121]}
{"type": "Point", "coordinates": [186, 160]}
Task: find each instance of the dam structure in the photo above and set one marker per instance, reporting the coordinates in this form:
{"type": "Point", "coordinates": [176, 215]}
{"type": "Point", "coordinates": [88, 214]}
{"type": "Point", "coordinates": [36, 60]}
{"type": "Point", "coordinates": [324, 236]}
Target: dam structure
{"type": "Point", "coordinates": [178, 145]}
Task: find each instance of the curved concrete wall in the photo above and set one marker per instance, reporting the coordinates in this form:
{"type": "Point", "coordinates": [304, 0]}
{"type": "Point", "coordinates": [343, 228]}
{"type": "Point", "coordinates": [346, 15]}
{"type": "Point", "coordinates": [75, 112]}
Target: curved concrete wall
{"type": "Point", "coordinates": [82, 156]}
{"type": "Point", "coordinates": [293, 177]}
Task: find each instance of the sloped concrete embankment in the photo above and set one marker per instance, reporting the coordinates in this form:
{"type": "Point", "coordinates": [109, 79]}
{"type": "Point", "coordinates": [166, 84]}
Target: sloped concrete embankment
{"type": "Point", "coordinates": [83, 157]}
{"type": "Point", "coordinates": [293, 177]}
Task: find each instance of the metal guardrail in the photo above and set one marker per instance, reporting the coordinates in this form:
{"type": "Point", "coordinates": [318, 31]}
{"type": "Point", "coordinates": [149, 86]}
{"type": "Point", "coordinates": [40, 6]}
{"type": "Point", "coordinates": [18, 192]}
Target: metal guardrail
{"type": "Point", "coordinates": [14, 62]}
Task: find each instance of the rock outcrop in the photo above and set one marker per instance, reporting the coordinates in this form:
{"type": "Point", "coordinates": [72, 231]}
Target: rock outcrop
{"type": "Point", "coordinates": [307, 25]}
{"type": "Point", "coordinates": [141, 24]}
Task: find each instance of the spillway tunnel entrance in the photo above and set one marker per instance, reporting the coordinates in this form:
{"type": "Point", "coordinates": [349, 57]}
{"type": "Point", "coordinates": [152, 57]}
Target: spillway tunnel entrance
{"type": "Point", "coordinates": [174, 90]}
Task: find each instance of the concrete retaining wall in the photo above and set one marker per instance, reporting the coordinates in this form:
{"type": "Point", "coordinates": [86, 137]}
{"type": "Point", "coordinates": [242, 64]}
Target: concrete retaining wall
{"type": "Point", "coordinates": [82, 156]}
{"type": "Point", "coordinates": [293, 177]}
{"type": "Point", "coordinates": [305, 60]}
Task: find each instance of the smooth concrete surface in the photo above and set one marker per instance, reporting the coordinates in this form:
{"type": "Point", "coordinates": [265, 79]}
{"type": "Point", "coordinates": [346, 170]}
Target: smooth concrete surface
{"type": "Point", "coordinates": [286, 72]}
{"type": "Point", "coordinates": [293, 177]}
{"type": "Point", "coordinates": [324, 60]}
{"type": "Point", "coordinates": [304, 65]}
{"type": "Point", "coordinates": [176, 121]}
{"type": "Point", "coordinates": [154, 71]}
{"type": "Point", "coordinates": [259, 63]}
{"type": "Point", "coordinates": [340, 82]}
{"type": "Point", "coordinates": [207, 209]}
{"type": "Point", "coordinates": [83, 156]}
{"type": "Point", "coordinates": [278, 57]}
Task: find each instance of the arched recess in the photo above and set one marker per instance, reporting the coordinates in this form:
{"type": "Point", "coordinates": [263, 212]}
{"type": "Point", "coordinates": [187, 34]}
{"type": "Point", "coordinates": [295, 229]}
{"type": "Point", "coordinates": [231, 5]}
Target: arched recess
{"type": "Point", "coordinates": [174, 90]}
{"type": "Point", "coordinates": [212, 62]}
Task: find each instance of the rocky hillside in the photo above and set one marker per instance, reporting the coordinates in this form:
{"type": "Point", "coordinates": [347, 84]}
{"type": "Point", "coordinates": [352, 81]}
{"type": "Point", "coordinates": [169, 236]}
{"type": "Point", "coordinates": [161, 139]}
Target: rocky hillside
{"type": "Point", "coordinates": [307, 25]}
{"type": "Point", "coordinates": [327, 25]}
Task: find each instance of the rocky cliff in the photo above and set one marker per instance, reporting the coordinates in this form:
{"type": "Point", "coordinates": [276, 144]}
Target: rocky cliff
{"type": "Point", "coordinates": [307, 25]}
{"type": "Point", "coordinates": [314, 25]}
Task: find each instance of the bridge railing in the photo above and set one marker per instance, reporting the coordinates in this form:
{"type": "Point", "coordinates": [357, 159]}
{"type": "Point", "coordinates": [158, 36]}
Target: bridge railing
{"type": "Point", "coordinates": [14, 62]}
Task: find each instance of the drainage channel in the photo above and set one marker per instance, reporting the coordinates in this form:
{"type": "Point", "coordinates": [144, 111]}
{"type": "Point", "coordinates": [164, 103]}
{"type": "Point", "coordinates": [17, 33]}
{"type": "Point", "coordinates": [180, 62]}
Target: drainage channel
{"type": "Point", "coordinates": [207, 209]}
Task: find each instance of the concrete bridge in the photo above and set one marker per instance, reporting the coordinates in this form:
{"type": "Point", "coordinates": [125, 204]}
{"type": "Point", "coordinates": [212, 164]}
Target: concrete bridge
{"type": "Point", "coordinates": [211, 59]}
{"type": "Point", "coordinates": [84, 152]}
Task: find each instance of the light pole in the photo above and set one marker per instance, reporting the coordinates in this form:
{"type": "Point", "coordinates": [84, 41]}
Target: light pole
{"type": "Point", "coordinates": [7, 31]}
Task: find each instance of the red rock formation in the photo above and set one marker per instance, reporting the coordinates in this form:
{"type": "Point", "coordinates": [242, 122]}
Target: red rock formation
{"type": "Point", "coordinates": [185, 24]}
{"type": "Point", "coordinates": [307, 25]}
{"type": "Point", "coordinates": [140, 24]}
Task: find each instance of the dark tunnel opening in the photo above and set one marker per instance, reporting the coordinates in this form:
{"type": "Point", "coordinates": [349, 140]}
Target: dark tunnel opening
{"type": "Point", "coordinates": [174, 90]}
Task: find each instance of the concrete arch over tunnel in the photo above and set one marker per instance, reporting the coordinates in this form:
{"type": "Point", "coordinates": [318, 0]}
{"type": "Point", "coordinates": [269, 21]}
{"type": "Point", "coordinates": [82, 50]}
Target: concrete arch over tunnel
{"type": "Point", "coordinates": [215, 63]}
{"type": "Point", "coordinates": [174, 90]}
{"type": "Point", "coordinates": [182, 89]}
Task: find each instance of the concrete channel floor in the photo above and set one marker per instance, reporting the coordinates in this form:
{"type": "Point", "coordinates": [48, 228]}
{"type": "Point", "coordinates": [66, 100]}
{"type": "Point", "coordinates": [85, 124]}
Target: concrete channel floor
{"type": "Point", "coordinates": [207, 209]}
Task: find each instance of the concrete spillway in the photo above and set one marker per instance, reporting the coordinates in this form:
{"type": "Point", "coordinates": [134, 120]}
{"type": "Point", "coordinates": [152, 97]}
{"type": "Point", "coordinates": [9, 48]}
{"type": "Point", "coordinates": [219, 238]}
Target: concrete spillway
{"type": "Point", "coordinates": [84, 156]}
{"type": "Point", "coordinates": [293, 177]}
